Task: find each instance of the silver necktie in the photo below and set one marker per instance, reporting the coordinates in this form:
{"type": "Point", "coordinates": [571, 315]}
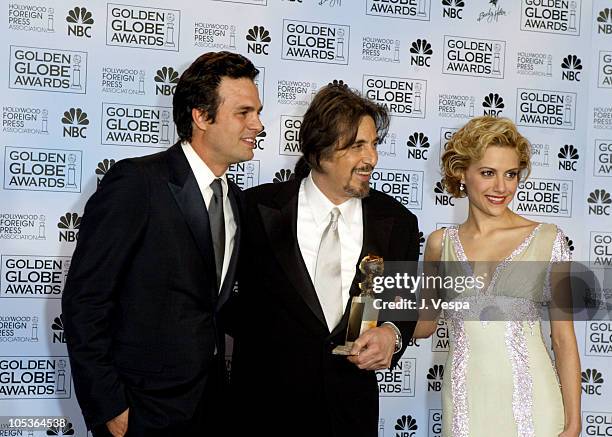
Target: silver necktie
{"type": "Point", "coordinates": [328, 273]}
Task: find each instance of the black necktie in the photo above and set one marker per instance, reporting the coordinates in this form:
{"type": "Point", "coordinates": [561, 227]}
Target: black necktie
{"type": "Point", "coordinates": [217, 226]}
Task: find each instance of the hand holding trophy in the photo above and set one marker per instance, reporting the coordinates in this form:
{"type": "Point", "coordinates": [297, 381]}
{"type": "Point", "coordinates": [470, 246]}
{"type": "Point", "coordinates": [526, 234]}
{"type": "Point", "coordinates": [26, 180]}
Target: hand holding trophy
{"type": "Point", "coordinates": [362, 314]}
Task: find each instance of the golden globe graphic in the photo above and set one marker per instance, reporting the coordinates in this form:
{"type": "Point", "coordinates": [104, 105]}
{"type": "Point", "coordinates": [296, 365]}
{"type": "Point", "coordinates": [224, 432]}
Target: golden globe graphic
{"type": "Point", "coordinates": [605, 70]}
{"type": "Point", "coordinates": [411, 10]}
{"type": "Point", "coordinates": [546, 17]}
{"type": "Point", "coordinates": [402, 97]}
{"type": "Point", "coordinates": [602, 165]}
{"type": "Point", "coordinates": [142, 27]}
{"type": "Point", "coordinates": [137, 125]}
{"type": "Point", "coordinates": [474, 57]}
{"type": "Point", "coordinates": [48, 69]}
{"type": "Point", "coordinates": [33, 276]}
{"type": "Point", "coordinates": [30, 169]}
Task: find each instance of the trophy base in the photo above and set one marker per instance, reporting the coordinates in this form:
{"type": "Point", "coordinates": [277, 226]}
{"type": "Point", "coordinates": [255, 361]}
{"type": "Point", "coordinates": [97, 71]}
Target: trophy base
{"type": "Point", "coordinates": [343, 349]}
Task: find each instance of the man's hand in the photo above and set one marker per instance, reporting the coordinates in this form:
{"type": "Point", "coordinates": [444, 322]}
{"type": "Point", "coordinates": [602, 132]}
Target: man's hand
{"type": "Point", "coordinates": [374, 348]}
{"type": "Point", "coordinates": [119, 425]}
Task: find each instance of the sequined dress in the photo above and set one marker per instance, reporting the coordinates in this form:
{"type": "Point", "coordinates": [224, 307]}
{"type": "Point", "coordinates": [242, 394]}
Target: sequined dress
{"type": "Point", "coordinates": [499, 379]}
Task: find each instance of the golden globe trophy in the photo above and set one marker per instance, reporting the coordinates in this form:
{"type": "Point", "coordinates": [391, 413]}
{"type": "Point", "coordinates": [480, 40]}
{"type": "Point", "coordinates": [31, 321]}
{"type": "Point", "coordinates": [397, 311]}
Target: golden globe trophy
{"type": "Point", "coordinates": [362, 314]}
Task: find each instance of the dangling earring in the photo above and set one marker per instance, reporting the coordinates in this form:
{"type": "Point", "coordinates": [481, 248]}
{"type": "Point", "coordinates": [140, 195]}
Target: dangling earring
{"type": "Point", "coordinates": [461, 186]}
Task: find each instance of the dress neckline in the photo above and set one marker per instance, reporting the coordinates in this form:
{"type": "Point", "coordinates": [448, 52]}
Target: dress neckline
{"type": "Point", "coordinates": [517, 250]}
{"type": "Point", "coordinates": [454, 236]}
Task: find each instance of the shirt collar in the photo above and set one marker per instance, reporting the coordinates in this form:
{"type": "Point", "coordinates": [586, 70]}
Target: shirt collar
{"type": "Point", "coordinates": [321, 206]}
{"type": "Point", "coordinates": [203, 174]}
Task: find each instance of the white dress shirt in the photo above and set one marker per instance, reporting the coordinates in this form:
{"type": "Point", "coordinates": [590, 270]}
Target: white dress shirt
{"type": "Point", "coordinates": [314, 213]}
{"type": "Point", "coordinates": [204, 177]}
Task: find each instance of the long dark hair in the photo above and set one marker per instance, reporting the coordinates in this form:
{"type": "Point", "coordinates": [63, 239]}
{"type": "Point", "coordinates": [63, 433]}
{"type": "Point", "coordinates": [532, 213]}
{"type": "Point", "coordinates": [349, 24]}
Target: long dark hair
{"type": "Point", "coordinates": [331, 123]}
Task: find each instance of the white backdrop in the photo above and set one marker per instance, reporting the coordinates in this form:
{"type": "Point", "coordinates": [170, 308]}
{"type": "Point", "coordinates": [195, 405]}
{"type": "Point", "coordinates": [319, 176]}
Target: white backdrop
{"type": "Point", "coordinates": [90, 83]}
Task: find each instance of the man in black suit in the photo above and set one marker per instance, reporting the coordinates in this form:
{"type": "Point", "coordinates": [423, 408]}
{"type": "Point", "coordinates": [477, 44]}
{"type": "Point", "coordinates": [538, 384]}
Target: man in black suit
{"type": "Point", "coordinates": [155, 264]}
{"type": "Point", "coordinates": [302, 244]}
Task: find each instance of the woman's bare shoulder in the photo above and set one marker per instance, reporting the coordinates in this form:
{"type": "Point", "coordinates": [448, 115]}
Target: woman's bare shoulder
{"type": "Point", "coordinates": [433, 249]}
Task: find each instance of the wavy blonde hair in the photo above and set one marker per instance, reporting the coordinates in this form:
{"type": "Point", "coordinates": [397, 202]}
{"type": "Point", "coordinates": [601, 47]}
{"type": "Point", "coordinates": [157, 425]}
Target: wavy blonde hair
{"type": "Point", "coordinates": [469, 143]}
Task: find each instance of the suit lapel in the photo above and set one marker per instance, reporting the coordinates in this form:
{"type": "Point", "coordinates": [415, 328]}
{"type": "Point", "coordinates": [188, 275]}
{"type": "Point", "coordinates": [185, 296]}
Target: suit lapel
{"type": "Point", "coordinates": [280, 223]}
{"type": "Point", "coordinates": [228, 281]}
{"type": "Point", "coordinates": [188, 196]}
{"type": "Point", "coordinates": [376, 234]}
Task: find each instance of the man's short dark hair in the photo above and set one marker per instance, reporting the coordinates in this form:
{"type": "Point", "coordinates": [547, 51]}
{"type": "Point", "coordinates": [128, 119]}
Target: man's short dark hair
{"type": "Point", "coordinates": [331, 123]}
{"type": "Point", "coordinates": [199, 84]}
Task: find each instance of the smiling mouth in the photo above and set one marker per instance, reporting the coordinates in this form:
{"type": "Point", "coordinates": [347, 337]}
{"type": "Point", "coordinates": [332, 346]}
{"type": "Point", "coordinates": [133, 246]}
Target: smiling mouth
{"type": "Point", "coordinates": [250, 140]}
{"type": "Point", "coordinates": [496, 200]}
{"type": "Point", "coordinates": [364, 173]}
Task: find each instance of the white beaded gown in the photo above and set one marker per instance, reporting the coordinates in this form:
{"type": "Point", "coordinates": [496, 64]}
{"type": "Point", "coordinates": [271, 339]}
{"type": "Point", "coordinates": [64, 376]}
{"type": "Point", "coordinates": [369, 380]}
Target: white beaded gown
{"type": "Point", "coordinates": [499, 379]}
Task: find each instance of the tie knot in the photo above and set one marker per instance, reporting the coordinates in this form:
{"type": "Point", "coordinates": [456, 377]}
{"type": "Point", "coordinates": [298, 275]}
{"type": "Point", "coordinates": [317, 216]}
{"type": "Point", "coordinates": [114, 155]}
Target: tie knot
{"type": "Point", "coordinates": [335, 213]}
{"type": "Point", "coordinates": [217, 189]}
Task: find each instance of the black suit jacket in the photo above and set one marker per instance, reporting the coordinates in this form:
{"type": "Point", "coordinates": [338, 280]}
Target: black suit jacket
{"type": "Point", "coordinates": [141, 309]}
{"type": "Point", "coordinates": [284, 343]}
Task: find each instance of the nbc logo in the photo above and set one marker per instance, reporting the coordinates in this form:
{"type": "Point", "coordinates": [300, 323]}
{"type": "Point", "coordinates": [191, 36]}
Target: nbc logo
{"type": "Point", "coordinates": [166, 80]}
{"type": "Point", "coordinates": [76, 122]}
{"type": "Point", "coordinates": [418, 146]}
{"type": "Point", "coordinates": [421, 53]}
{"type": "Point", "coordinates": [102, 168]}
{"type": "Point", "coordinates": [604, 20]}
{"type": "Point", "coordinates": [57, 329]}
{"type": "Point", "coordinates": [434, 377]}
{"type": "Point", "coordinates": [413, 342]}
{"type": "Point", "coordinates": [599, 202]}
{"type": "Point", "coordinates": [68, 225]}
{"type": "Point", "coordinates": [493, 104]}
{"type": "Point", "coordinates": [571, 66]}
{"type": "Point", "coordinates": [439, 188]}
{"type": "Point", "coordinates": [592, 381]}
{"type": "Point", "coordinates": [442, 198]}
{"type": "Point", "coordinates": [283, 175]}
{"type": "Point", "coordinates": [406, 426]}
{"type": "Point", "coordinates": [79, 22]}
{"type": "Point", "coordinates": [260, 140]}
{"type": "Point", "coordinates": [452, 9]}
{"type": "Point", "coordinates": [258, 40]}
{"type": "Point", "coordinates": [67, 429]}
{"type": "Point", "coordinates": [568, 157]}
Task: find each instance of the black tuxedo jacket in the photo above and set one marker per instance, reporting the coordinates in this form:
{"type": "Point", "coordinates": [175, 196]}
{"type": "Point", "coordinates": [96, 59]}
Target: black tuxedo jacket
{"type": "Point", "coordinates": [284, 345]}
{"type": "Point", "coordinates": [141, 309]}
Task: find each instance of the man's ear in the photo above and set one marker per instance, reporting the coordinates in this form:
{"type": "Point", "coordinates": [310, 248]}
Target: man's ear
{"type": "Point", "coordinates": [200, 119]}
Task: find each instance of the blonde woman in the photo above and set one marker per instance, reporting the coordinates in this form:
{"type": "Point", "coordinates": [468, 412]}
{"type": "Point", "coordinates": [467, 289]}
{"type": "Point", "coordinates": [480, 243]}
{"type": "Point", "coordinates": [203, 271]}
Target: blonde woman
{"type": "Point", "coordinates": [499, 379]}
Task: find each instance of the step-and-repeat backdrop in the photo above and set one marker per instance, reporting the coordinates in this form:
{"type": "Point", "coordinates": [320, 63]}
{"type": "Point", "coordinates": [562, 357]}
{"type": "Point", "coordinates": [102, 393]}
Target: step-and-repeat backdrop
{"type": "Point", "coordinates": [86, 84]}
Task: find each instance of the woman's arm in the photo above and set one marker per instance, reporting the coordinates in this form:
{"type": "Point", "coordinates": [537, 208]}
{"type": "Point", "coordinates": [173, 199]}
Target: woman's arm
{"type": "Point", "coordinates": [564, 345]}
{"type": "Point", "coordinates": [568, 368]}
{"type": "Point", "coordinates": [428, 319]}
